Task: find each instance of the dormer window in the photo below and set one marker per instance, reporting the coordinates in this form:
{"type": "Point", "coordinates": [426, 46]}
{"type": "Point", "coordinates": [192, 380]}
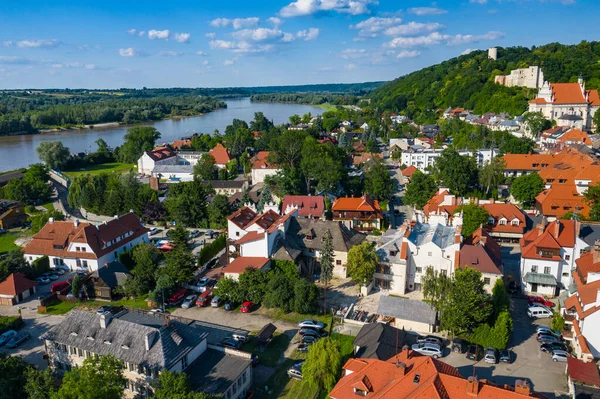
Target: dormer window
{"type": "Point", "coordinates": [562, 181]}
{"type": "Point", "coordinates": [515, 222]}
{"type": "Point", "coordinates": [360, 392]}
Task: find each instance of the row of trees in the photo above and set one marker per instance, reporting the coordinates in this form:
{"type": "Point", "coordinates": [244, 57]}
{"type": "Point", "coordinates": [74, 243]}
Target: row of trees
{"type": "Point", "coordinates": [32, 189]}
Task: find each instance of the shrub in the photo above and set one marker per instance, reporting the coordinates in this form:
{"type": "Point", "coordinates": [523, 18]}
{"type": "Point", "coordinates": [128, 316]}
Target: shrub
{"type": "Point", "coordinates": [210, 250]}
{"type": "Point", "coordinates": [10, 323]}
{"type": "Point", "coordinates": [39, 266]}
{"type": "Point", "coordinates": [496, 336]}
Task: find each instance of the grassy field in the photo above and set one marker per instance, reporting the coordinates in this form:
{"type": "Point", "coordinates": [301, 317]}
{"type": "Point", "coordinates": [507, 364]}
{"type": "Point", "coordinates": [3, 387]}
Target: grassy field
{"type": "Point", "coordinates": [49, 207]}
{"type": "Point", "coordinates": [59, 308]}
{"type": "Point", "coordinates": [326, 107]}
{"type": "Point", "coordinates": [7, 242]}
{"type": "Point", "coordinates": [103, 168]}
{"type": "Point", "coordinates": [271, 355]}
{"type": "Point", "coordinates": [293, 317]}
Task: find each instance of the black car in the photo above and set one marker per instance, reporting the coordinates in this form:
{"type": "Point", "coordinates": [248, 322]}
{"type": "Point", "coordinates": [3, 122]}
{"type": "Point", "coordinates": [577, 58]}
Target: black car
{"type": "Point", "coordinates": [229, 306]}
{"type": "Point", "coordinates": [459, 345]}
{"type": "Point", "coordinates": [309, 339]}
{"type": "Point", "coordinates": [303, 347]}
{"type": "Point", "coordinates": [506, 356]}
{"type": "Point", "coordinates": [545, 339]}
{"type": "Point", "coordinates": [231, 343]}
{"type": "Point", "coordinates": [550, 346]}
{"type": "Point", "coordinates": [475, 352]}
{"type": "Point", "coordinates": [513, 288]}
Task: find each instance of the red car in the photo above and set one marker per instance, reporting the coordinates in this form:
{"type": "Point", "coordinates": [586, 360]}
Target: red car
{"type": "Point", "coordinates": [246, 307]}
{"type": "Point", "coordinates": [538, 299]}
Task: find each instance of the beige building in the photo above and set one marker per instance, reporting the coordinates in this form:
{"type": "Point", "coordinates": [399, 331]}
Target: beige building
{"type": "Point", "coordinates": [531, 77]}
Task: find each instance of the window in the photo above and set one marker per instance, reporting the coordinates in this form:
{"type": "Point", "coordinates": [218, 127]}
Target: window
{"type": "Point", "coordinates": [566, 274]}
{"type": "Point", "coordinates": [237, 233]}
{"type": "Point", "coordinates": [338, 262]}
{"type": "Point", "coordinates": [515, 222]}
{"type": "Point", "coordinates": [131, 367]}
{"type": "Point", "coordinates": [184, 362]}
{"type": "Point", "coordinates": [429, 254]}
{"type": "Point", "coordinates": [486, 280]}
{"type": "Point", "coordinates": [419, 270]}
{"type": "Point", "coordinates": [116, 255]}
{"type": "Point", "coordinates": [445, 272]}
{"type": "Point", "coordinates": [502, 222]}
{"type": "Point", "coordinates": [534, 269]}
{"type": "Point", "coordinates": [547, 270]}
{"type": "Point", "coordinates": [567, 257]}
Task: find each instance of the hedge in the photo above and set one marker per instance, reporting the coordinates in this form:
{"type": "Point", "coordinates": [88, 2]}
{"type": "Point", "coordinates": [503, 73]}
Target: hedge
{"type": "Point", "coordinates": [496, 336]}
{"type": "Point", "coordinates": [210, 250]}
{"type": "Point", "coordinates": [40, 265]}
{"type": "Point", "coordinates": [10, 323]}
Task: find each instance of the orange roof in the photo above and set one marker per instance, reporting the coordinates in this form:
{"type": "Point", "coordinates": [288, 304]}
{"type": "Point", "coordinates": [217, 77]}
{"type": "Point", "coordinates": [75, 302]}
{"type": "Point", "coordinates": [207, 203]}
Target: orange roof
{"type": "Point", "coordinates": [365, 157]}
{"type": "Point", "coordinates": [586, 264]}
{"type": "Point", "coordinates": [408, 172]}
{"type": "Point", "coordinates": [363, 204]}
{"type": "Point", "coordinates": [556, 235]}
{"type": "Point", "coordinates": [537, 101]}
{"type": "Point", "coordinates": [576, 135]}
{"type": "Point", "coordinates": [410, 375]}
{"type": "Point", "coordinates": [177, 144]}
{"type": "Point", "coordinates": [580, 338]}
{"type": "Point", "coordinates": [565, 159]}
{"type": "Point", "coordinates": [220, 154]}
{"type": "Point", "coordinates": [593, 98]}
{"type": "Point", "coordinates": [15, 284]}
{"type": "Point", "coordinates": [251, 236]}
{"type": "Point", "coordinates": [561, 199]}
{"type": "Point", "coordinates": [239, 265]}
{"type": "Point", "coordinates": [567, 93]}
{"type": "Point", "coordinates": [242, 217]}
{"type": "Point", "coordinates": [259, 161]}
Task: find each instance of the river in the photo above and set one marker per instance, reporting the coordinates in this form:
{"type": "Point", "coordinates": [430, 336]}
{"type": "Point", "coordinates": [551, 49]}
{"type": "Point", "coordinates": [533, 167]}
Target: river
{"type": "Point", "coordinates": [19, 151]}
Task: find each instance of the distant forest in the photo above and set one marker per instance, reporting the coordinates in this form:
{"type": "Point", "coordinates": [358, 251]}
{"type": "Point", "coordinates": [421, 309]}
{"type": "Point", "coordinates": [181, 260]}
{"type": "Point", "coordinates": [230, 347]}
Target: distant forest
{"type": "Point", "coordinates": [349, 88]}
{"type": "Point", "coordinates": [307, 98]}
{"type": "Point", "coordinates": [468, 81]}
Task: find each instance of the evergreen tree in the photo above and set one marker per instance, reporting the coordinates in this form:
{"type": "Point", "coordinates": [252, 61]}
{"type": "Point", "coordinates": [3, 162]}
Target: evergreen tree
{"type": "Point", "coordinates": [264, 198]}
{"type": "Point", "coordinates": [326, 266]}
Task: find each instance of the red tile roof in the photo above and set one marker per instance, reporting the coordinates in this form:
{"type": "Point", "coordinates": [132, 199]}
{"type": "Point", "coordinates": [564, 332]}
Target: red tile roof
{"type": "Point", "coordinates": [362, 204]}
{"type": "Point", "coordinates": [160, 153]}
{"type": "Point", "coordinates": [588, 263]}
{"type": "Point", "coordinates": [557, 234]}
{"type": "Point", "coordinates": [576, 135]}
{"type": "Point", "coordinates": [242, 217]}
{"type": "Point", "coordinates": [433, 205]}
{"type": "Point", "coordinates": [364, 158]}
{"type": "Point", "coordinates": [15, 284]}
{"type": "Point", "coordinates": [308, 205]}
{"type": "Point", "coordinates": [481, 252]}
{"type": "Point", "coordinates": [220, 154]}
{"type": "Point", "coordinates": [177, 144]}
{"type": "Point", "coordinates": [408, 172]}
{"type": "Point", "coordinates": [561, 199]}
{"type": "Point", "coordinates": [239, 265]}
{"type": "Point", "coordinates": [581, 371]}
{"type": "Point", "coordinates": [259, 161]}
{"type": "Point", "coordinates": [249, 237]}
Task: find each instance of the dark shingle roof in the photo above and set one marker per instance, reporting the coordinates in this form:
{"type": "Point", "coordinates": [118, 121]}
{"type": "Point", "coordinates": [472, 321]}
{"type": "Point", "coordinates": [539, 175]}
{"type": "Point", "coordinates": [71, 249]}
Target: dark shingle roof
{"type": "Point", "coordinates": [342, 238]}
{"type": "Point", "coordinates": [379, 341]}
{"type": "Point", "coordinates": [214, 371]}
{"type": "Point", "coordinates": [124, 337]}
{"type": "Point", "coordinates": [113, 274]}
{"type": "Point", "coordinates": [406, 309]}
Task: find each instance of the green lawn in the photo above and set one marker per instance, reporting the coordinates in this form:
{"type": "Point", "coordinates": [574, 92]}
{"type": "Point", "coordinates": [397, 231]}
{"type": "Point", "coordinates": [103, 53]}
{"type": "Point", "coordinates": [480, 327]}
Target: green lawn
{"type": "Point", "coordinates": [102, 168]}
{"type": "Point", "coordinates": [49, 207]}
{"type": "Point", "coordinates": [65, 307]}
{"type": "Point", "coordinates": [293, 317]}
{"type": "Point", "coordinates": [7, 242]}
{"type": "Point", "coordinates": [59, 308]}
{"type": "Point", "coordinates": [326, 107]}
{"type": "Point", "coordinates": [271, 355]}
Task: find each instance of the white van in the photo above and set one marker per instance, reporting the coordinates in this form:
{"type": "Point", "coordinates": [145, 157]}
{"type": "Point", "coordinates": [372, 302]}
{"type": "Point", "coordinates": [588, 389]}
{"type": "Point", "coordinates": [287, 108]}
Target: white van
{"type": "Point", "coordinates": [537, 312]}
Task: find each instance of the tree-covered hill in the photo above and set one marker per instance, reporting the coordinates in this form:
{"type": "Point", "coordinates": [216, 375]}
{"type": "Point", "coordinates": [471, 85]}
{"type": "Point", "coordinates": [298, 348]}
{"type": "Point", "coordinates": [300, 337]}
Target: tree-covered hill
{"type": "Point", "coordinates": [468, 81]}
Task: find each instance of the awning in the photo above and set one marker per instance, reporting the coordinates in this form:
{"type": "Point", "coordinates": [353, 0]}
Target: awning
{"type": "Point", "coordinates": [540, 278]}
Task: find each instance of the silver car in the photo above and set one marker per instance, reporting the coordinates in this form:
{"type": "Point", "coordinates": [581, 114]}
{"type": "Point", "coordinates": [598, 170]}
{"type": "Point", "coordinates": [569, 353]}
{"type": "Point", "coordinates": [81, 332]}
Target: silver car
{"type": "Point", "coordinates": [559, 355]}
{"type": "Point", "coordinates": [189, 301]}
{"type": "Point", "coordinates": [432, 350]}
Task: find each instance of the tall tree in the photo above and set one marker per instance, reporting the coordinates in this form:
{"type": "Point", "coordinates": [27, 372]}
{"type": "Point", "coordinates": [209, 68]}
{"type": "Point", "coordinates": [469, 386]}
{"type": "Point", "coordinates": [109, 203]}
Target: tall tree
{"type": "Point", "coordinates": [378, 183]}
{"type": "Point", "coordinates": [592, 196]}
{"type": "Point", "coordinates": [264, 198]}
{"type": "Point", "coordinates": [322, 365]}
{"type": "Point", "coordinates": [535, 122]}
{"type": "Point", "coordinates": [53, 154]}
{"type": "Point", "coordinates": [40, 384]}
{"type": "Point", "coordinates": [420, 189]}
{"type": "Point", "coordinates": [295, 119]}
{"type": "Point", "coordinates": [435, 287]}
{"type": "Point", "coordinates": [137, 140]}
{"type": "Point", "coordinates": [205, 168]}
{"type": "Point", "coordinates": [362, 262]}
{"type": "Point", "coordinates": [260, 123]}
{"type": "Point", "coordinates": [500, 297]}
{"type": "Point", "coordinates": [457, 172]}
{"type": "Point", "coordinates": [218, 211]}
{"type": "Point", "coordinates": [98, 378]}
{"type": "Point", "coordinates": [526, 187]}
{"type": "Point", "coordinates": [172, 385]}
{"type": "Point", "coordinates": [326, 266]}
{"type": "Point", "coordinates": [492, 174]}
{"type": "Point", "coordinates": [474, 217]}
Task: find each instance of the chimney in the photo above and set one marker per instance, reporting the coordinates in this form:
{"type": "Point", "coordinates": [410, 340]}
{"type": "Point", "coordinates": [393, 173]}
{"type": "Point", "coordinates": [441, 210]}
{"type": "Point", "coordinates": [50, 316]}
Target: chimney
{"type": "Point", "coordinates": [105, 319]}
{"type": "Point", "coordinates": [472, 386]}
{"type": "Point", "coordinates": [76, 222]}
{"type": "Point", "coordinates": [540, 228]}
{"type": "Point", "coordinates": [577, 228]}
{"type": "Point", "coordinates": [522, 387]}
{"type": "Point", "coordinates": [97, 227]}
{"type": "Point", "coordinates": [50, 220]}
{"type": "Point", "coordinates": [149, 340]}
{"type": "Point", "coordinates": [492, 201]}
{"type": "Point", "coordinates": [556, 228]}
{"type": "Point", "coordinates": [596, 252]}
{"type": "Point", "coordinates": [401, 367]}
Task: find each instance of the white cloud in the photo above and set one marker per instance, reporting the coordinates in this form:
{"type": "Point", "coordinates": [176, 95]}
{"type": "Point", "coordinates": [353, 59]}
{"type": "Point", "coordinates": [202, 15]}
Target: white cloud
{"type": "Point", "coordinates": [275, 21]}
{"type": "Point", "coordinates": [372, 26]}
{"type": "Point", "coordinates": [181, 37]}
{"type": "Point", "coordinates": [129, 52]}
{"type": "Point", "coordinates": [141, 33]}
{"type": "Point", "coordinates": [73, 65]}
{"type": "Point", "coordinates": [413, 29]}
{"type": "Point", "coordinates": [132, 31]}
{"type": "Point", "coordinates": [240, 47]}
{"type": "Point", "coordinates": [466, 39]}
{"type": "Point", "coordinates": [205, 62]}
{"type": "Point", "coordinates": [310, 34]}
{"type": "Point", "coordinates": [221, 44]}
{"type": "Point", "coordinates": [228, 62]}
{"type": "Point", "coordinates": [257, 35]}
{"type": "Point", "coordinates": [210, 35]}
{"type": "Point", "coordinates": [202, 53]}
{"type": "Point", "coordinates": [12, 59]}
{"type": "Point", "coordinates": [408, 54]}
{"type": "Point", "coordinates": [38, 43]}
{"type": "Point", "coordinates": [158, 34]}
{"type": "Point", "coordinates": [170, 53]}
{"type": "Point", "coordinates": [288, 37]}
{"type": "Point", "coordinates": [468, 51]}
{"type": "Point", "coordinates": [309, 7]}
{"type": "Point", "coordinates": [237, 23]}
{"type": "Point", "coordinates": [426, 11]}
{"type": "Point", "coordinates": [353, 53]}
{"type": "Point", "coordinates": [351, 66]}
{"type": "Point", "coordinates": [435, 38]}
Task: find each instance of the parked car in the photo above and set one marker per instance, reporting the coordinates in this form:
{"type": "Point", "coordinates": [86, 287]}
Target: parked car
{"type": "Point", "coordinates": [303, 347]}
{"type": "Point", "coordinates": [205, 298]}
{"type": "Point", "coordinates": [104, 309]}
{"type": "Point", "coordinates": [62, 267]}
{"type": "Point", "coordinates": [548, 347]}
{"type": "Point", "coordinates": [294, 373]}
{"type": "Point", "coordinates": [153, 231]}
{"type": "Point", "coordinates": [229, 306]}
{"type": "Point", "coordinates": [560, 356]}
{"type": "Point", "coordinates": [189, 301]}
{"type": "Point", "coordinates": [212, 264]}
{"type": "Point", "coordinates": [506, 356]}
{"type": "Point", "coordinates": [203, 283]}
{"type": "Point", "coordinates": [43, 280]}
{"type": "Point", "coordinates": [240, 337]}
{"type": "Point", "coordinates": [548, 330]}
{"type": "Point", "coordinates": [537, 312]}
{"type": "Point", "coordinates": [52, 276]}
{"type": "Point", "coordinates": [309, 339]}
{"type": "Point", "coordinates": [459, 345]}
{"type": "Point", "coordinates": [538, 299]}
{"type": "Point", "coordinates": [60, 272]}
{"type": "Point", "coordinates": [247, 307]}
{"type": "Point", "coordinates": [545, 339]}
{"type": "Point", "coordinates": [231, 343]}
{"type": "Point", "coordinates": [178, 296]}
{"type": "Point", "coordinates": [4, 338]}
{"type": "Point", "coordinates": [116, 309]}
{"type": "Point", "coordinates": [474, 352]}
{"type": "Point", "coordinates": [311, 332]}
{"type": "Point", "coordinates": [311, 324]}
{"type": "Point", "coordinates": [547, 334]}
{"type": "Point", "coordinates": [158, 312]}
{"type": "Point", "coordinates": [210, 233]}
{"type": "Point", "coordinates": [17, 340]}
{"type": "Point", "coordinates": [490, 355]}
{"type": "Point", "coordinates": [430, 339]}
{"type": "Point", "coordinates": [216, 302]}
{"type": "Point", "coordinates": [428, 349]}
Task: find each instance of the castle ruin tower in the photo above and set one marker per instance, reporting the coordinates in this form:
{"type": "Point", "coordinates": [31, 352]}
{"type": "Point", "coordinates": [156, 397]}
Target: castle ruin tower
{"type": "Point", "coordinates": [493, 53]}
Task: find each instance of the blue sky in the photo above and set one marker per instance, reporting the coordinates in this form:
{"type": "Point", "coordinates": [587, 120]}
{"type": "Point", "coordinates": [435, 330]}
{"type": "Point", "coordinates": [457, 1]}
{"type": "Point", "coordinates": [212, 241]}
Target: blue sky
{"type": "Point", "coordinates": [202, 43]}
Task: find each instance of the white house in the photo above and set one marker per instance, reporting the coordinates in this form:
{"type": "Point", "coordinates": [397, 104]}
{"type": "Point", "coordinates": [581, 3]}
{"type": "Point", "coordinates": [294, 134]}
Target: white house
{"type": "Point", "coordinates": [422, 158]}
{"type": "Point", "coordinates": [83, 246]}
{"type": "Point", "coordinates": [174, 173]}
{"type": "Point", "coordinates": [158, 156]}
{"type": "Point", "coordinates": [548, 255]}
{"type": "Point", "coordinates": [261, 167]}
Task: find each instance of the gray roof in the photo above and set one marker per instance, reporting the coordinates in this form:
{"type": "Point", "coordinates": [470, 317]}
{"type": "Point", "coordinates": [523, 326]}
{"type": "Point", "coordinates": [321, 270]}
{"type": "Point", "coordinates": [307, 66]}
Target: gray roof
{"type": "Point", "coordinates": [216, 332]}
{"type": "Point", "coordinates": [406, 309]}
{"type": "Point", "coordinates": [225, 183]}
{"type": "Point", "coordinates": [113, 274]}
{"type": "Point", "coordinates": [124, 337]}
{"type": "Point", "coordinates": [590, 232]}
{"type": "Point", "coordinates": [214, 371]}
{"type": "Point", "coordinates": [173, 169]}
{"type": "Point", "coordinates": [390, 242]}
{"type": "Point", "coordinates": [540, 278]}
{"type": "Point", "coordinates": [442, 236]}
{"type": "Point", "coordinates": [379, 341]}
{"type": "Point", "coordinates": [342, 238]}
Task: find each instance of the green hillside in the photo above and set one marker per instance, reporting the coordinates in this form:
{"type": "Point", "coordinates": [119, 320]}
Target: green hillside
{"type": "Point", "coordinates": [468, 81]}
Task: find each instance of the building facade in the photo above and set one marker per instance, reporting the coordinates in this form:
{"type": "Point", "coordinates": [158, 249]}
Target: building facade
{"type": "Point", "coordinates": [531, 77]}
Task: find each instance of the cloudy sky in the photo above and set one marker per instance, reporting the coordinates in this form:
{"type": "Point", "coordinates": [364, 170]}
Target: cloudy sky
{"type": "Point", "coordinates": [205, 43]}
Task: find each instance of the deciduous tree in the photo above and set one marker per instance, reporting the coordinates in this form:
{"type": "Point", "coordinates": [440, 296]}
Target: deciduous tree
{"type": "Point", "coordinates": [362, 261]}
{"type": "Point", "coordinates": [322, 365]}
{"type": "Point", "coordinates": [474, 217]}
{"type": "Point", "coordinates": [53, 154]}
{"type": "Point", "coordinates": [205, 168]}
{"type": "Point", "coordinates": [378, 183]}
{"type": "Point", "coordinates": [326, 266]}
{"type": "Point", "coordinates": [526, 187]}
{"type": "Point", "coordinates": [137, 140]}
{"type": "Point", "coordinates": [98, 378]}
{"type": "Point", "coordinates": [420, 189]}
{"type": "Point", "coordinates": [492, 174]}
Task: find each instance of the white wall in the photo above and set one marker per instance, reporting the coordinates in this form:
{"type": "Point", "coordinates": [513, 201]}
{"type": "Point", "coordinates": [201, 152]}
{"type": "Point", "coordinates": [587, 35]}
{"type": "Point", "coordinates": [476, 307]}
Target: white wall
{"type": "Point", "coordinates": [258, 175]}
{"type": "Point", "coordinates": [590, 328]}
{"type": "Point", "coordinates": [234, 232]}
{"type": "Point", "coordinates": [430, 255]}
